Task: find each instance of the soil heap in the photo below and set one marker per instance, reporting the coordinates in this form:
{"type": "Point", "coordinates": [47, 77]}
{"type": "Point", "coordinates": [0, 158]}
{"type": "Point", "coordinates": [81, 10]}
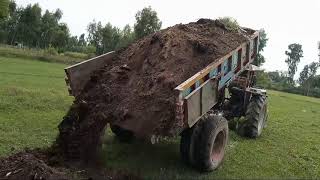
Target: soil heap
{"type": "Point", "coordinates": [40, 164]}
{"type": "Point", "coordinates": [28, 165]}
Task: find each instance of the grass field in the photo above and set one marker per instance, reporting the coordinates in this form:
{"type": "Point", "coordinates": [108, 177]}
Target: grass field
{"type": "Point", "coordinates": [33, 99]}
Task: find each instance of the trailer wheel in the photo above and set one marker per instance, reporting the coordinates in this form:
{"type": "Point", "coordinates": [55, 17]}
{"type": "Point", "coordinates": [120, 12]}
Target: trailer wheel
{"type": "Point", "coordinates": [122, 134]}
{"type": "Point", "coordinates": [188, 142]}
{"type": "Point", "coordinates": [185, 145]}
{"type": "Point", "coordinates": [210, 148]}
{"type": "Point", "coordinates": [255, 118]}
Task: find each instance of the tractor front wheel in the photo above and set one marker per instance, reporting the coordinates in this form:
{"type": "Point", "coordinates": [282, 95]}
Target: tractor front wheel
{"type": "Point", "coordinates": [255, 118]}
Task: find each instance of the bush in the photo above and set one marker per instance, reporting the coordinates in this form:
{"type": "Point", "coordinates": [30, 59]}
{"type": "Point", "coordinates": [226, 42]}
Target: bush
{"type": "Point", "coordinates": [89, 50]}
{"type": "Point", "coordinates": [297, 90]}
{"type": "Point", "coordinates": [230, 23]}
{"type": "Point", "coordinates": [38, 54]}
{"type": "Point", "coordinates": [51, 51]}
{"type": "Point", "coordinates": [76, 55]}
{"type": "Point", "coordinates": [264, 81]}
{"type": "Point", "coordinates": [83, 49]}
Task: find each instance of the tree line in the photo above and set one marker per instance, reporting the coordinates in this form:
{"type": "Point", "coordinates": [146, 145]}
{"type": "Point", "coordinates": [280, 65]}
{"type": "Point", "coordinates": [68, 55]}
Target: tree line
{"type": "Point", "coordinates": [308, 82]}
{"type": "Point", "coordinates": [31, 27]}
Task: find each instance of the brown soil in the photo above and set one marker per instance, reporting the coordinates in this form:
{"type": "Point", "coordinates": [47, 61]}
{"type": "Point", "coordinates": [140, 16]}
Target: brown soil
{"type": "Point", "coordinates": [135, 90]}
{"type": "Point", "coordinates": [28, 165]}
{"type": "Point", "coordinates": [42, 165]}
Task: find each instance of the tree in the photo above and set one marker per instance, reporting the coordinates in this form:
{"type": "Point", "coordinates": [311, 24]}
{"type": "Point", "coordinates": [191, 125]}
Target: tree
{"type": "Point", "coordinates": [61, 36]}
{"type": "Point", "coordinates": [82, 40]}
{"type": "Point", "coordinates": [29, 26]}
{"type": "Point", "coordinates": [110, 37]}
{"type": "Point", "coordinates": [12, 7]}
{"type": "Point", "coordinates": [58, 14]}
{"type": "Point", "coordinates": [95, 35]}
{"type": "Point", "coordinates": [147, 22]}
{"type": "Point", "coordinates": [259, 60]}
{"type": "Point", "coordinates": [73, 43]}
{"type": "Point", "coordinates": [49, 28]}
{"type": "Point", "coordinates": [304, 75]}
{"type": "Point", "coordinates": [319, 50]}
{"type": "Point", "coordinates": [279, 79]}
{"type": "Point", "coordinates": [263, 79]}
{"type": "Point", "coordinates": [313, 67]}
{"type": "Point", "coordinates": [127, 37]}
{"type": "Point", "coordinates": [294, 54]}
{"type": "Point", "coordinates": [9, 27]}
{"type": "Point", "coordinates": [307, 77]}
{"type": "Point", "coordinates": [4, 6]}
{"type": "Point", "coordinates": [275, 76]}
{"type": "Point", "coordinates": [317, 82]}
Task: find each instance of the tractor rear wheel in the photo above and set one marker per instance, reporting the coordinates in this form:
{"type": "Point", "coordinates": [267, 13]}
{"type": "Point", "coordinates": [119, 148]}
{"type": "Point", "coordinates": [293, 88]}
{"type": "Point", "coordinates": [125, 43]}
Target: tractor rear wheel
{"type": "Point", "coordinates": [122, 134]}
{"type": "Point", "coordinates": [212, 142]}
{"type": "Point", "coordinates": [255, 118]}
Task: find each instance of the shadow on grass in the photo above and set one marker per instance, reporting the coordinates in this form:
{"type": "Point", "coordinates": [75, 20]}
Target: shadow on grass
{"type": "Point", "coordinates": [151, 161]}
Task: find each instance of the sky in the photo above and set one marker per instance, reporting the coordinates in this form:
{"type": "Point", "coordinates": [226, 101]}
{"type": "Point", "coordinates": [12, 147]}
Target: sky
{"type": "Point", "coordinates": [285, 21]}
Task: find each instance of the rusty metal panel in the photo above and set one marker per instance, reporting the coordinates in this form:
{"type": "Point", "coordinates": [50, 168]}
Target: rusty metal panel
{"type": "Point", "coordinates": [193, 107]}
{"type": "Point", "coordinates": [200, 101]}
{"type": "Point", "coordinates": [209, 95]}
{"type": "Point", "coordinates": [79, 74]}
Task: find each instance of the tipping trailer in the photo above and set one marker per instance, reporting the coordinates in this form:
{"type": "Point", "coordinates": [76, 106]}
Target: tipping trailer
{"type": "Point", "coordinates": [205, 103]}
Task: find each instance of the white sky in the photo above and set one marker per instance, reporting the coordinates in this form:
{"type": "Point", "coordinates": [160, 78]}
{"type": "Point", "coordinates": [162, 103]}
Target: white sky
{"type": "Point", "coordinates": [285, 21]}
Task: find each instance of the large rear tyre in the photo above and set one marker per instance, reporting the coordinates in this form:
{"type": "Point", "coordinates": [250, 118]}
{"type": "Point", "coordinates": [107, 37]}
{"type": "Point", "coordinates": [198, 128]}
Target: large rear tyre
{"type": "Point", "coordinates": [188, 142]}
{"type": "Point", "coordinates": [255, 118]}
{"type": "Point", "coordinates": [185, 145]}
{"type": "Point", "coordinates": [122, 134]}
{"type": "Point", "coordinates": [212, 142]}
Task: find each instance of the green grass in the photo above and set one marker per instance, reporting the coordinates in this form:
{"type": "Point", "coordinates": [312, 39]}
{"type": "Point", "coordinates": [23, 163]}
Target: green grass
{"type": "Point", "coordinates": [76, 55]}
{"type": "Point", "coordinates": [33, 99]}
{"type": "Point", "coordinates": [42, 55]}
{"type": "Point", "coordinates": [288, 148]}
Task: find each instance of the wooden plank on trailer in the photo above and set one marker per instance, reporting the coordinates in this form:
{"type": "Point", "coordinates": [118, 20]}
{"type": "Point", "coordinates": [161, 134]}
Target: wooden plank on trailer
{"type": "Point", "coordinates": [193, 107]}
{"type": "Point", "coordinates": [209, 95]}
{"type": "Point", "coordinates": [200, 101]}
{"type": "Point", "coordinates": [79, 74]}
